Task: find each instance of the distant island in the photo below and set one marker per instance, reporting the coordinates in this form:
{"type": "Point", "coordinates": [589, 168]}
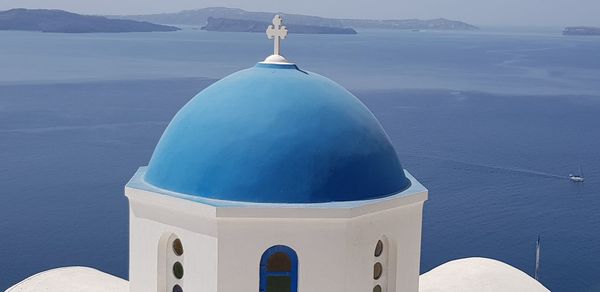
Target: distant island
{"type": "Point", "coordinates": [241, 25]}
{"type": "Point", "coordinates": [411, 24]}
{"type": "Point", "coordinates": [201, 17]}
{"type": "Point", "coordinates": [582, 30]}
{"type": "Point", "coordinates": [45, 20]}
{"type": "Point", "coordinates": [211, 19]}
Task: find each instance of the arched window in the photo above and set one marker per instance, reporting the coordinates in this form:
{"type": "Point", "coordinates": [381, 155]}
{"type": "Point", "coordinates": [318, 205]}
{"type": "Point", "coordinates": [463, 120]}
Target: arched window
{"type": "Point", "coordinates": [279, 270]}
{"type": "Point", "coordinates": [170, 264]}
{"type": "Point", "coordinates": [380, 266]}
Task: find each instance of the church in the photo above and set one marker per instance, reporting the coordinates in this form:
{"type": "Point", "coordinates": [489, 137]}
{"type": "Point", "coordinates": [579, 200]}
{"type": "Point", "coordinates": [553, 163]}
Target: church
{"type": "Point", "coordinates": [277, 179]}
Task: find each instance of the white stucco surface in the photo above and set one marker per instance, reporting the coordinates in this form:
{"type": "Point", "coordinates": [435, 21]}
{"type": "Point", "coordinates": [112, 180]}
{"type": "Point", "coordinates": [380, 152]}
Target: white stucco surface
{"type": "Point", "coordinates": [71, 279]}
{"type": "Point", "coordinates": [463, 275]}
{"type": "Point", "coordinates": [478, 275]}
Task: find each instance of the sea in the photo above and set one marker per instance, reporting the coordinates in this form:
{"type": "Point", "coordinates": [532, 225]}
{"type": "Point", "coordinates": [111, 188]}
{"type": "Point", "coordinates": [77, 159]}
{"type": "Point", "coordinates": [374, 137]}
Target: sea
{"type": "Point", "coordinates": [492, 122]}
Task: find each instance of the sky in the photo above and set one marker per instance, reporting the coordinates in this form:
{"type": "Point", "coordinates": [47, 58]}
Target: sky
{"type": "Point", "coordinates": [478, 12]}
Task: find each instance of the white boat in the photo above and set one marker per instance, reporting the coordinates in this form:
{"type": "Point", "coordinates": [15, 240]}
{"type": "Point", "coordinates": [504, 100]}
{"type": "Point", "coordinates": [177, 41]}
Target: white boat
{"type": "Point", "coordinates": [537, 259]}
{"type": "Point", "coordinates": [577, 177]}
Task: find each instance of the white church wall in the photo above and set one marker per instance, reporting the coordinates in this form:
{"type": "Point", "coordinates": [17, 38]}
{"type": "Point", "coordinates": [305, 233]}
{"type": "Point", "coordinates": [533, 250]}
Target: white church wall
{"type": "Point", "coordinates": [333, 254]}
{"type": "Point", "coordinates": [319, 244]}
{"type": "Point", "coordinates": [223, 245]}
{"type": "Point", "coordinates": [149, 270]}
{"type": "Point", "coordinates": [400, 229]}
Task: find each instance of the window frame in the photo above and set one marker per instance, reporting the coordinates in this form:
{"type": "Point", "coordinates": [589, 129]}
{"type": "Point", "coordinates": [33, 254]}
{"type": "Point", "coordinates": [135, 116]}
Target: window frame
{"type": "Point", "coordinates": [293, 273]}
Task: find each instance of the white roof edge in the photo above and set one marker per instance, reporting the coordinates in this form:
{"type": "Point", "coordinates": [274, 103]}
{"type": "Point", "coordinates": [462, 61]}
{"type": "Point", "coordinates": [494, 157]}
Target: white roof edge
{"type": "Point", "coordinates": [478, 274]}
{"type": "Point", "coordinates": [71, 279]}
{"type": "Point", "coordinates": [141, 193]}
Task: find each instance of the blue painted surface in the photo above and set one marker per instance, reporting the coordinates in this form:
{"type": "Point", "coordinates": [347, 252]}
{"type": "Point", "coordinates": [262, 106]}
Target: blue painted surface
{"type": "Point", "coordinates": [276, 134]}
{"type": "Point", "coordinates": [265, 273]}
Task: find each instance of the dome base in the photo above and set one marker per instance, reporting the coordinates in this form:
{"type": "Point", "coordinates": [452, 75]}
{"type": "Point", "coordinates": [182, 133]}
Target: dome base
{"type": "Point", "coordinates": [276, 59]}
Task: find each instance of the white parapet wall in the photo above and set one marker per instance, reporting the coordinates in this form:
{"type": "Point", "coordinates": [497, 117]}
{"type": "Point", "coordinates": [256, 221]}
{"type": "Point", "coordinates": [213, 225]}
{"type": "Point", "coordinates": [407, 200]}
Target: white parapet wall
{"type": "Point", "coordinates": [478, 275]}
{"type": "Point", "coordinates": [462, 275]}
{"type": "Point", "coordinates": [71, 279]}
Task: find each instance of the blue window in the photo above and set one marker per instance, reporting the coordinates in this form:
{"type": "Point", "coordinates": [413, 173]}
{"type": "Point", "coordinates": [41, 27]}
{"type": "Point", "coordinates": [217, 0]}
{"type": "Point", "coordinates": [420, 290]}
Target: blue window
{"type": "Point", "coordinates": [279, 270]}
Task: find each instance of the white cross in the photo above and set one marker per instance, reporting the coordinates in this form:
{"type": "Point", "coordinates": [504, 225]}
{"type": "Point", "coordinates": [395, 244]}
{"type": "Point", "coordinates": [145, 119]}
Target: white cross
{"type": "Point", "coordinates": [278, 32]}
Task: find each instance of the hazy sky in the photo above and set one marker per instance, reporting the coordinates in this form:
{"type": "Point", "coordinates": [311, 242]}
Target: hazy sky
{"type": "Point", "coordinates": [479, 12]}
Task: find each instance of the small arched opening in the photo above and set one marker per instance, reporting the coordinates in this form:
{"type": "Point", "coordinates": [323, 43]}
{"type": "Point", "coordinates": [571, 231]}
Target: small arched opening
{"type": "Point", "coordinates": [170, 264]}
{"type": "Point", "coordinates": [279, 270]}
{"type": "Point", "coordinates": [380, 265]}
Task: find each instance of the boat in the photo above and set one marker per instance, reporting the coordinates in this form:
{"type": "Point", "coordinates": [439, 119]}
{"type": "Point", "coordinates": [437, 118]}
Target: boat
{"type": "Point", "coordinates": [577, 177]}
{"type": "Point", "coordinates": [537, 259]}
{"type": "Point", "coordinates": [582, 30]}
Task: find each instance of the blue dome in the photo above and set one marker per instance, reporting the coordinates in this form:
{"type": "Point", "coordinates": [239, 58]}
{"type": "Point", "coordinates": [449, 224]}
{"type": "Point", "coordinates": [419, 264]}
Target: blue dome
{"type": "Point", "coordinates": [276, 134]}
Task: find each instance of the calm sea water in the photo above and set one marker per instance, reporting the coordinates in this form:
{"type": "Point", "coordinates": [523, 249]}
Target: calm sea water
{"type": "Point", "coordinates": [491, 122]}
